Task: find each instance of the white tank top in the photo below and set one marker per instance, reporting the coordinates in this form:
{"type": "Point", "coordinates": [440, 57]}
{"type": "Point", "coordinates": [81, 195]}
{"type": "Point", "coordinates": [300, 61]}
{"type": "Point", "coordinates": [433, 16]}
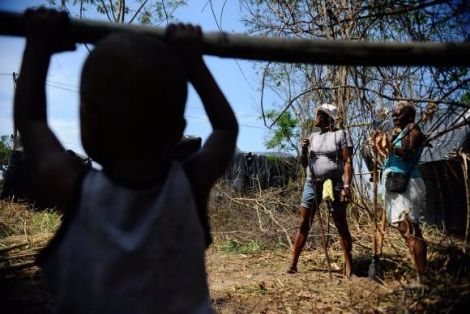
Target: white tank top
{"type": "Point", "coordinates": [130, 251]}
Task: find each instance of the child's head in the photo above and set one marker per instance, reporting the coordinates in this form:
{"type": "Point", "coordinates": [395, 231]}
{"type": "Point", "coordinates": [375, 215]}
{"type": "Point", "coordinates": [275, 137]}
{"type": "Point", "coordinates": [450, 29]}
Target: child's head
{"type": "Point", "coordinates": [132, 96]}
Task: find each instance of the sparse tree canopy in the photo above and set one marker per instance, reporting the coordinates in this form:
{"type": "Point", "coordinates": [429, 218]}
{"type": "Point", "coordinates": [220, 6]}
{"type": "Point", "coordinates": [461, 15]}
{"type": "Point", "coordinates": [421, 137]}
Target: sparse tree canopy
{"type": "Point", "coordinates": [362, 94]}
{"type": "Point", "coordinates": [154, 12]}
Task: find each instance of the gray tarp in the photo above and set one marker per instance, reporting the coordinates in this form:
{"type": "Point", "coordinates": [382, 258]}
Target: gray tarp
{"type": "Point", "coordinates": [254, 171]}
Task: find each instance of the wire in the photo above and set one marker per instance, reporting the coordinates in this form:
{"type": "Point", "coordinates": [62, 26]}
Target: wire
{"type": "Point", "coordinates": [61, 83]}
{"type": "Point", "coordinates": [240, 124]}
{"type": "Point", "coordinates": [63, 88]}
{"type": "Point", "coordinates": [219, 26]}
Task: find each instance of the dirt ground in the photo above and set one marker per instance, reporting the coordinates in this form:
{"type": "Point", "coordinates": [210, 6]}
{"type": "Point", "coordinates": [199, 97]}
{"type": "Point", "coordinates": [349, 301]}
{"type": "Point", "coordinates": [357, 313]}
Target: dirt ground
{"type": "Point", "coordinates": [247, 265]}
{"type": "Point", "coordinates": [257, 283]}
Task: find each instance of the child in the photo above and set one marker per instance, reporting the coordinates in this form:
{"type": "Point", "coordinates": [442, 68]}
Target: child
{"type": "Point", "coordinates": [132, 240]}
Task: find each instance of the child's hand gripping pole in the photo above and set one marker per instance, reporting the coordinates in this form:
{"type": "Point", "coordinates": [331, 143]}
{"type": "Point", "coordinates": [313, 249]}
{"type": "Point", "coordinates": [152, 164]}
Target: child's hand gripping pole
{"type": "Point", "coordinates": [49, 29]}
{"type": "Point", "coordinates": [46, 33]}
{"type": "Point", "coordinates": [186, 41]}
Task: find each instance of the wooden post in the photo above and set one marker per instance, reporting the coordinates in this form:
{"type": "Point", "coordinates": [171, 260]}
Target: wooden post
{"type": "Point", "coordinates": [374, 200]}
{"type": "Point", "coordinates": [341, 52]}
{"type": "Point", "coordinates": [467, 192]}
{"type": "Point", "coordinates": [325, 248]}
{"type": "Point", "coordinates": [383, 223]}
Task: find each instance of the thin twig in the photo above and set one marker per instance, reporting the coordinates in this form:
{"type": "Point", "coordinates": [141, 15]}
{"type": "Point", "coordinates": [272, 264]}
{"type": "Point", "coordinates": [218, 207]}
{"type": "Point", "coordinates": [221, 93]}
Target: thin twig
{"type": "Point", "coordinates": [9, 248]}
{"type": "Point", "coordinates": [14, 267]}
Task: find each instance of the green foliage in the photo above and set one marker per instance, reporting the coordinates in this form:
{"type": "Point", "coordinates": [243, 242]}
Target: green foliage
{"type": "Point", "coordinates": [6, 146]}
{"type": "Point", "coordinates": [285, 133]}
{"type": "Point", "coordinates": [236, 247]}
{"type": "Point", "coordinates": [466, 98]}
{"type": "Point", "coordinates": [272, 160]}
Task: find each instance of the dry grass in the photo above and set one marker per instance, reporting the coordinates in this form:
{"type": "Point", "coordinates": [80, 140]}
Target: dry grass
{"type": "Point", "coordinates": [19, 219]}
{"type": "Point", "coordinates": [247, 262]}
{"type": "Point", "coordinates": [23, 232]}
{"type": "Point", "coordinates": [256, 281]}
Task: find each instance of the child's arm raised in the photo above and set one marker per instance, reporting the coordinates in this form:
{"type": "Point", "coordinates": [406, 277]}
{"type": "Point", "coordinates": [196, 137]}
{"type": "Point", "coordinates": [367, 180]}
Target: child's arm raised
{"type": "Point", "coordinates": [209, 163]}
{"type": "Point", "coordinates": [54, 167]}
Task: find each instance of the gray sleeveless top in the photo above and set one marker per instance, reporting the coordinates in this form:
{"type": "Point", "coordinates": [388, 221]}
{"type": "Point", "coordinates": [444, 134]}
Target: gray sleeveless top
{"type": "Point", "coordinates": [325, 159]}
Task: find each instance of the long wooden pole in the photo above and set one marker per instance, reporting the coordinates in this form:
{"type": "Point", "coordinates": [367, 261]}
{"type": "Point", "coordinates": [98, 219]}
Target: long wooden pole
{"type": "Point", "coordinates": [467, 193]}
{"type": "Point", "coordinates": [341, 52]}
{"type": "Point", "coordinates": [325, 248]}
{"type": "Point", "coordinates": [374, 202]}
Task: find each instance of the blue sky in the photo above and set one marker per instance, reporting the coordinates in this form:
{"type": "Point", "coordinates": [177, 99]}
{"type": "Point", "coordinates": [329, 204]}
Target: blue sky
{"type": "Point", "coordinates": [238, 81]}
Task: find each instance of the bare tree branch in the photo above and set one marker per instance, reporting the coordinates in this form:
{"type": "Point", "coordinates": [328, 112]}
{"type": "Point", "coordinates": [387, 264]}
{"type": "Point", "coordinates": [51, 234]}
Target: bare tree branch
{"type": "Point", "coordinates": [138, 11]}
{"type": "Point", "coordinates": [106, 11]}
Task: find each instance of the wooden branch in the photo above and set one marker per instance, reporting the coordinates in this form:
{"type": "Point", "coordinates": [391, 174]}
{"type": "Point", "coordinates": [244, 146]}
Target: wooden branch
{"type": "Point", "coordinates": [19, 266]}
{"type": "Point", "coordinates": [464, 164]}
{"type": "Point", "coordinates": [16, 246]}
{"type": "Point", "coordinates": [393, 98]}
{"type": "Point", "coordinates": [137, 12]}
{"type": "Point", "coordinates": [374, 202]}
{"type": "Point", "coordinates": [391, 12]}
{"type": "Point", "coordinates": [383, 223]}
{"type": "Point", "coordinates": [279, 49]}
{"type": "Point", "coordinates": [112, 11]}
{"type": "Point", "coordinates": [241, 201]}
{"type": "Point", "coordinates": [106, 11]}
{"type": "Point", "coordinates": [18, 256]}
{"type": "Point", "coordinates": [325, 248]}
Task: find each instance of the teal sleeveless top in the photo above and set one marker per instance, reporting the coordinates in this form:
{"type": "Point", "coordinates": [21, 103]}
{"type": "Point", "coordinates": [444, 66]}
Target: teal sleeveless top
{"type": "Point", "coordinates": [395, 163]}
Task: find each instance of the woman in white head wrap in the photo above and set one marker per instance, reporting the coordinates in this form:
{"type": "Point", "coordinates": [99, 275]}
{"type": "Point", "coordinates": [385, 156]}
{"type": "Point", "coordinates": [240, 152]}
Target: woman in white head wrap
{"type": "Point", "coordinates": [326, 155]}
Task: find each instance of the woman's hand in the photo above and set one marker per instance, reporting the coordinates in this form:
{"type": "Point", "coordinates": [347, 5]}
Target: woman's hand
{"type": "Point", "coordinates": [305, 143]}
{"type": "Point", "coordinates": [345, 195]}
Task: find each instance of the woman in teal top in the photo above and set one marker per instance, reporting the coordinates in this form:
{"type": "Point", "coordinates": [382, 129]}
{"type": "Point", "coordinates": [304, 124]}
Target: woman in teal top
{"type": "Point", "coordinates": [403, 209]}
{"type": "Point", "coordinates": [395, 163]}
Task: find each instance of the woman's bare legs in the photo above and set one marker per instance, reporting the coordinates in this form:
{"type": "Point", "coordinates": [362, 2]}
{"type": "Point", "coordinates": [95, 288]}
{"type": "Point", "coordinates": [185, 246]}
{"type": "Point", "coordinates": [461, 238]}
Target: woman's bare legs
{"type": "Point", "coordinates": [301, 237]}
{"type": "Point", "coordinates": [414, 239]}
{"type": "Point", "coordinates": [339, 217]}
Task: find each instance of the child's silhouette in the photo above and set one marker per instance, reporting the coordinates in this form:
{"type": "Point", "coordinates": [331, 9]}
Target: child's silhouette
{"type": "Point", "coordinates": [133, 237]}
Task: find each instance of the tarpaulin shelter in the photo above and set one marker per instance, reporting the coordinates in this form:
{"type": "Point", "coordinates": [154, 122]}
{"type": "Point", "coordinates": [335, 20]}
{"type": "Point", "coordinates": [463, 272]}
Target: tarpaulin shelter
{"type": "Point", "coordinates": [441, 167]}
{"type": "Point", "coordinates": [253, 171]}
